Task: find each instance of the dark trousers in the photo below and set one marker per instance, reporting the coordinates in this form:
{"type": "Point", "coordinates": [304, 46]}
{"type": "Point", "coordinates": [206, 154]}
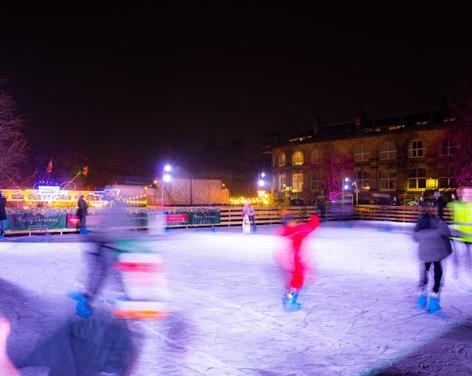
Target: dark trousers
{"type": "Point", "coordinates": [82, 221]}
{"type": "Point", "coordinates": [438, 272]}
{"type": "Point", "coordinates": [252, 221]}
{"type": "Point", "coordinates": [100, 266]}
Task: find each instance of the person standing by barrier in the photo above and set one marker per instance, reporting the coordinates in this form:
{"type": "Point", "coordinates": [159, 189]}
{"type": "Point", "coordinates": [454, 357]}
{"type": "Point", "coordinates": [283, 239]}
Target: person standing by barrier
{"type": "Point", "coordinates": [82, 212]}
{"type": "Point", "coordinates": [3, 214]}
{"type": "Point", "coordinates": [440, 204]}
{"type": "Point", "coordinates": [249, 211]}
{"type": "Point", "coordinates": [320, 204]}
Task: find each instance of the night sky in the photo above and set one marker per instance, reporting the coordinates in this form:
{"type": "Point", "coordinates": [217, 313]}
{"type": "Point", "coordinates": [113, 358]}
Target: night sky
{"type": "Point", "coordinates": [146, 82]}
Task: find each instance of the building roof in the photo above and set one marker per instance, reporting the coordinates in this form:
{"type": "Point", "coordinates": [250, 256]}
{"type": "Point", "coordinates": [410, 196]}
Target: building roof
{"type": "Point", "coordinates": [364, 127]}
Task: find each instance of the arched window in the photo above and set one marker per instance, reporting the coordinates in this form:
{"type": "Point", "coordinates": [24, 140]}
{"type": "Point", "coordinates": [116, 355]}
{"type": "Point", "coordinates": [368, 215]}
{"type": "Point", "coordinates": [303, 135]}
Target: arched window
{"type": "Point", "coordinates": [316, 181]}
{"type": "Point", "coordinates": [416, 178]}
{"type": "Point", "coordinates": [282, 159]}
{"type": "Point", "coordinates": [388, 180]}
{"type": "Point", "coordinates": [361, 154]}
{"type": "Point", "coordinates": [362, 177]}
{"type": "Point", "coordinates": [297, 182]}
{"type": "Point", "coordinates": [416, 149]}
{"type": "Point", "coordinates": [388, 151]}
{"type": "Point", "coordinates": [448, 148]}
{"type": "Point", "coordinates": [282, 182]}
{"type": "Point", "coordinates": [316, 156]}
{"type": "Point", "coordinates": [297, 158]}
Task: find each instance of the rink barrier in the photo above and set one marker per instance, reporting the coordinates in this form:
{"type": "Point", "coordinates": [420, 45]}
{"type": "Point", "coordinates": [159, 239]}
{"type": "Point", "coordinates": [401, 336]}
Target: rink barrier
{"type": "Point", "coordinates": [232, 216]}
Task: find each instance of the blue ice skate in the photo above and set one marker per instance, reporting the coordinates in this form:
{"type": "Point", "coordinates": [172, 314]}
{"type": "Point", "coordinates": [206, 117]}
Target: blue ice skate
{"type": "Point", "coordinates": [422, 301]}
{"type": "Point", "coordinates": [433, 305]}
{"type": "Point", "coordinates": [290, 302]}
{"type": "Point", "coordinates": [82, 309]}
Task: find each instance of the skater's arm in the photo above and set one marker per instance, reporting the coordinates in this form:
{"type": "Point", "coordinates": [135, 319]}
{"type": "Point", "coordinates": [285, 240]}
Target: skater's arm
{"type": "Point", "coordinates": [6, 365]}
{"type": "Point", "coordinates": [443, 229]}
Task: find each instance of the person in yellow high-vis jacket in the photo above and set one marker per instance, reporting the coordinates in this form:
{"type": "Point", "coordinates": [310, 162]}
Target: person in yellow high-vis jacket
{"type": "Point", "coordinates": [461, 211]}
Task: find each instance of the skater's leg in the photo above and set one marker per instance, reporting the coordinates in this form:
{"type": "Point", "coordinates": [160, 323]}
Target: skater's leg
{"type": "Point", "coordinates": [422, 295]}
{"type": "Point", "coordinates": [433, 305]}
{"type": "Point", "coordinates": [98, 270]}
{"type": "Point", "coordinates": [253, 223]}
{"type": "Point", "coordinates": [468, 255]}
{"type": "Point", "coordinates": [438, 272]}
{"type": "Point", "coordinates": [424, 270]}
{"type": "Point", "coordinates": [296, 284]}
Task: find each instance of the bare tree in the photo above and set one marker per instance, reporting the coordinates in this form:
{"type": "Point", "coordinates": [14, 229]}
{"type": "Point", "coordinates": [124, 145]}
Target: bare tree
{"type": "Point", "coordinates": [13, 145]}
{"type": "Point", "coordinates": [335, 165]}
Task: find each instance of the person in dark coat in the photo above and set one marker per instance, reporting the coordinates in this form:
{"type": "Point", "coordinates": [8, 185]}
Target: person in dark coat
{"type": "Point", "coordinates": [321, 206]}
{"type": "Point", "coordinates": [432, 235]}
{"type": "Point", "coordinates": [3, 214]}
{"type": "Point", "coordinates": [82, 213]}
{"type": "Point", "coordinates": [439, 203]}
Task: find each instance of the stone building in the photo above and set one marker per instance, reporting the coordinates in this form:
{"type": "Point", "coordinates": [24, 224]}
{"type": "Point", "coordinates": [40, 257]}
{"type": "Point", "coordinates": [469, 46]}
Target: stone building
{"type": "Point", "coordinates": [399, 156]}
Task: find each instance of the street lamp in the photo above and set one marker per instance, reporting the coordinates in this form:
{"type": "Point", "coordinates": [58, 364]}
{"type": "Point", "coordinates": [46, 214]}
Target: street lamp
{"type": "Point", "coordinates": [166, 178]}
{"type": "Point", "coordinates": [261, 183]}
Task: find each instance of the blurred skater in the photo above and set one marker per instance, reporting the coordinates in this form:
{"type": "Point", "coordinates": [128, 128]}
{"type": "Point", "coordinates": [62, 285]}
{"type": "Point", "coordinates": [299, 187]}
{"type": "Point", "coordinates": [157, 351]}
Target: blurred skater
{"type": "Point", "coordinates": [294, 261]}
{"type": "Point", "coordinates": [3, 214]}
{"type": "Point", "coordinates": [102, 344]}
{"type": "Point", "coordinates": [432, 235]}
{"type": "Point", "coordinates": [461, 211]}
{"type": "Point", "coordinates": [131, 261]}
{"type": "Point", "coordinates": [82, 212]}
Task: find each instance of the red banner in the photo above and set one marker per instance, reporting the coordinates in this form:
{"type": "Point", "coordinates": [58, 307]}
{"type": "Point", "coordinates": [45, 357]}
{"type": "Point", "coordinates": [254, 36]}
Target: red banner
{"type": "Point", "coordinates": [72, 220]}
{"type": "Point", "coordinates": [177, 218]}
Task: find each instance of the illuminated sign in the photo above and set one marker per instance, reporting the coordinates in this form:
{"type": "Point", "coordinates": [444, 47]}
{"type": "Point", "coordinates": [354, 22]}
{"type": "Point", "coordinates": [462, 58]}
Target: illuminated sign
{"type": "Point", "coordinates": [48, 193]}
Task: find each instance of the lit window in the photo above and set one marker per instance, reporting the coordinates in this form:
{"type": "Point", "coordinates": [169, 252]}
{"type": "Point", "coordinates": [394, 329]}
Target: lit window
{"type": "Point", "coordinates": [361, 154]}
{"type": "Point", "coordinates": [448, 148]}
{"type": "Point", "coordinates": [315, 182]}
{"type": "Point", "coordinates": [282, 182]}
{"type": "Point", "coordinates": [388, 151]}
{"type": "Point", "coordinates": [388, 180]}
{"type": "Point", "coordinates": [416, 178]}
{"type": "Point", "coordinates": [297, 182]}
{"type": "Point", "coordinates": [416, 149]}
{"type": "Point", "coordinates": [297, 158]}
{"type": "Point", "coordinates": [446, 177]}
{"type": "Point", "coordinates": [282, 159]}
{"type": "Point", "coordinates": [362, 179]}
{"type": "Point", "coordinates": [316, 156]}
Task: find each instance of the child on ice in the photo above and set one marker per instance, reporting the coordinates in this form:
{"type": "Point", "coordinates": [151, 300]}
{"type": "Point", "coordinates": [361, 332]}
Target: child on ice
{"type": "Point", "coordinates": [293, 259]}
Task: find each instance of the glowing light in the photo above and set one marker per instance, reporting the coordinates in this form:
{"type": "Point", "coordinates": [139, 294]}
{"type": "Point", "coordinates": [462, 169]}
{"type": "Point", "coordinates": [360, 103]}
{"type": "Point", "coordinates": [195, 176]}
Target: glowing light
{"type": "Point", "coordinates": [167, 178]}
{"type": "Point", "coordinates": [167, 168]}
{"type": "Point", "coordinates": [346, 179]}
{"type": "Point", "coordinates": [155, 181]}
{"type": "Point", "coordinates": [346, 186]}
{"type": "Point", "coordinates": [263, 175]}
{"type": "Point", "coordinates": [261, 183]}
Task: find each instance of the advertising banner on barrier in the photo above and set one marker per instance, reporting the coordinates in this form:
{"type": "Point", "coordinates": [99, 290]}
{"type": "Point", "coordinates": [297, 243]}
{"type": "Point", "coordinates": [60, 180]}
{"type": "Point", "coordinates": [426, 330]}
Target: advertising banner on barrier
{"type": "Point", "coordinates": [205, 217]}
{"type": "Point", "coordinates": [72, 220]}
{"type": "Point", "coordinates": [35, 221]}
{"type": "Point", "coordinates": [175, 219]}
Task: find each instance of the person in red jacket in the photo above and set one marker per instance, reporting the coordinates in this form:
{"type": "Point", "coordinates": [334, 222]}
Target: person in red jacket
{"type": "Point", "coordinates": [293, 259]}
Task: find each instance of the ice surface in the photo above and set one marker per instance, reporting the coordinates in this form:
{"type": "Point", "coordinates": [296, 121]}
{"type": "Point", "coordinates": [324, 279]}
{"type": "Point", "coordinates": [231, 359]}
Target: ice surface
{"type": "Point", "coordinates": [358, 315]}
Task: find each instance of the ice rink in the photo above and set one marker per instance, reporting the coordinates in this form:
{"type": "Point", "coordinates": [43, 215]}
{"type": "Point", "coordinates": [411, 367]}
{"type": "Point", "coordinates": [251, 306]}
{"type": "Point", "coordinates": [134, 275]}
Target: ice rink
{"type": "Point", "coordinates": [358, 314]}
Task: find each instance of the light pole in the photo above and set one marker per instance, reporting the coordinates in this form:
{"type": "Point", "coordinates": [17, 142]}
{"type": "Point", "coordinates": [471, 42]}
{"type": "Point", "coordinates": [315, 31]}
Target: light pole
{"type": "Point", "coordinates": [166, 178]}
{"type": "Point", "coordinates": [344, 187]}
